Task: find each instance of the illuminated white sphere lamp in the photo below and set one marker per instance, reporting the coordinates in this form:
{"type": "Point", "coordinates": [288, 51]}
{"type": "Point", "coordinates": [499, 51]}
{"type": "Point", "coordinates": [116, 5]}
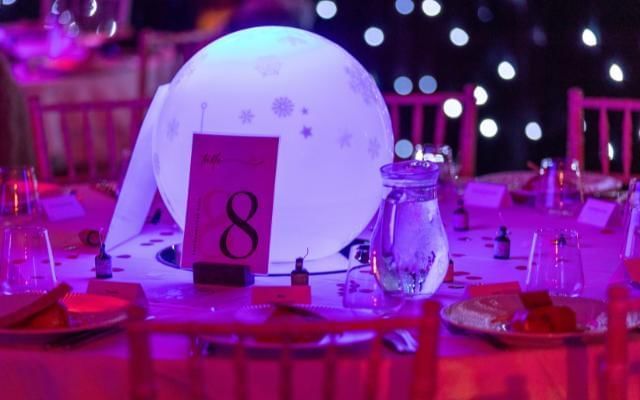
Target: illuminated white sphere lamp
{"type": "Point", "coordinates": [334, 129]}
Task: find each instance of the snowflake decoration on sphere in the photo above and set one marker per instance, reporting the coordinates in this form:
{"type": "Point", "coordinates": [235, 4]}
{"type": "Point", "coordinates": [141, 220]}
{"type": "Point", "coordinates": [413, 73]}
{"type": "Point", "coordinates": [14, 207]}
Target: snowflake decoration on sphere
{"type": "Point", "coordinates": [282, 107]}
{"type": "Point", "coordinates": [374, 148]}
{"type": "Point", "coordinates": [246, 116]}
{"type": "Point", "coordinates": [361, 83]}
{"type": "Point", "coordinates": [268, 66]}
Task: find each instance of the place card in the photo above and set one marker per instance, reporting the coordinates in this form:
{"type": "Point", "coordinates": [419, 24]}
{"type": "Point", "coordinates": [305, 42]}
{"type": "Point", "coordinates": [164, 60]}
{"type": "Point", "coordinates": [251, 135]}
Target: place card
{"type": "Point", "coordinates": [487, 195]}
{"type": "Point", "coordinates": [59, 208]}
{"type": "Point", "coordinates": [139, 184]}
{"type": "Point", "coordinates": [129, 291]}
{"type": "Point", "coordinates": [597, 213]}
{"type": "Point", "coordinates": [230, 201]}
{"type": "Point", "coordinates": [511, 287]}
{"type": "Point", "coordinates": [281, 294]}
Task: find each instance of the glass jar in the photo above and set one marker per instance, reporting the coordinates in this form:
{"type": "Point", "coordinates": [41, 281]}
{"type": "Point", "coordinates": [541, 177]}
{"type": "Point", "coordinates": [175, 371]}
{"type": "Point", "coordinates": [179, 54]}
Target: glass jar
{"type": "Point", "coordinates": [410, 250]}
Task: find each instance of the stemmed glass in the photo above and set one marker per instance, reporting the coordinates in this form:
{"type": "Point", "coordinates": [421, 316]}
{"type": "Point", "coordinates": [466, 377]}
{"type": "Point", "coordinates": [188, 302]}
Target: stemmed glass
{"type": "Point", "coordinates": [559, 186]}
{"type": "Point", "coordinates": [27, 261]}
{"type": "Point", "coordinates": [555, 263]}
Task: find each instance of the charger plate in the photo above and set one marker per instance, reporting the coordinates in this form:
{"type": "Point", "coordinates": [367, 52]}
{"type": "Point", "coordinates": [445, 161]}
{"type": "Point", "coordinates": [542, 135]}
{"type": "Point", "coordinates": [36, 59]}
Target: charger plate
{"type": "Point", "coordinates": [260, 314]}
{"type": "Point", "coordinates": [87, 312]}
{"type": "Point", "coordinates": [489, 316]}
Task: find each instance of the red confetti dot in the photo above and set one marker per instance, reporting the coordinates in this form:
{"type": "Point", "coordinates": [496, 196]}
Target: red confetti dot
{"type": "Point", "coordinates": [456, 286]}
{"type": "Point", "coordinates": [157, 240]}
{"type": "Point", "coordinates": [461, 273]}
{"type": "Point", "coordinates": [123, 256]}
{"type": "Point", "coordinates": [488, 245]}
{"type": "Point", "coordinates": [117, 269]}
{"type": "Point", "coordinates": [166, 233]}
{"type": "Point", "coordinates": [146, 244]}
{"type": "Point", "coordinates": [456, 255]}
{"type": "Point", "coordinates": [474, 277]}
{"type": "Point", "coordinates": [521, 267]}
{"type": "Point", "coordinates": [73, 256]}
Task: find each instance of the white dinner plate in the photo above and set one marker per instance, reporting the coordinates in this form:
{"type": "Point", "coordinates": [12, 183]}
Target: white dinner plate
{"type": "Point", "coordinates": [258, 314]}
{"type": "Point", "coordinates": [515, 181]}
{"type": "Point", "coordinates": [490, 316]}
{"type": "Point", "coordinates": [86, 312]}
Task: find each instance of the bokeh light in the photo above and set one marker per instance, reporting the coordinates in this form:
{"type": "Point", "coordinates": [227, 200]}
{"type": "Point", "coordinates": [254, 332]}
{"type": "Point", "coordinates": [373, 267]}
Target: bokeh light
{"type": "Point", "coordinates": [326, 9]}
{"type": "Point", "coordinates": [428, 84]}
{"type": "Point", "coordinates": [589, 38]}
{"type": "Point", "coordinates": [402, 85]}
{"type": "Point", "coordinates": [452, 108]}
{"type": "Point", "coordinates": [488, 128]}
{"type": "Point", "coordinates": [458, 37]}
{"type": "Point", "coordinates": [404, 148]}
{"type": "Point", "coordinates": [485, 14]}
{"type": "Point", "coordinates": [533, 131]}
{"type": "Point", "coordinates": [405, 7]}
{"type": "Point", "coordinates": [431, 8]}
{"type": "Point", "coordinates": [506, 71]}
{"type": "Point", "coordinates": [374, 36]}
{"type": "Point", "coordinates": [610, 151]}
{"type": "Point", "coordinates": [615, 73]}
{"type": "Point", "coordinates": [481, 95]}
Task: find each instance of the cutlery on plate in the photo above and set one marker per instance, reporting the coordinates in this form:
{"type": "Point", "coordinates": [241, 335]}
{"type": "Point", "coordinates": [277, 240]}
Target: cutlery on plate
{"type": "Point", "coordinates": [71, 341]}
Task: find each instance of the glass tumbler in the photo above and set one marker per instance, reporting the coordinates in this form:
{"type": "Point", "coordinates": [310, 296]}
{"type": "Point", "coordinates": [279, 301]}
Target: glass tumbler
{"type": "Point", "coordinates": [362, 290]}
{"type": "Point", "coordinates": [410, 251]}
{"type": "Point", "coordinates": [555, 263]}
{"type": "Point", "coordinates": [559, 186]}
{"type": "Point", "coordinates": [27, 261]}
{"type": "Point", "coordinates": [18, 192]}
{"type": "Point", "coordinates": [448, 170]}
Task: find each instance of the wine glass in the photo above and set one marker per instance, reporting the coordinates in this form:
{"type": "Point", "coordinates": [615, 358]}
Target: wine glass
{"type": "Point", "coordinates": [559, 186]}
{"type": "Point", "coordinates": [555, 263]}
{"type": "Point", "coordinates": [27, 261]}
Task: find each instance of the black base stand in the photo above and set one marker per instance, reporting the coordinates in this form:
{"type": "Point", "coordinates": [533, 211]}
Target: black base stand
{"type": "Point", "coordinates": [222, 274]}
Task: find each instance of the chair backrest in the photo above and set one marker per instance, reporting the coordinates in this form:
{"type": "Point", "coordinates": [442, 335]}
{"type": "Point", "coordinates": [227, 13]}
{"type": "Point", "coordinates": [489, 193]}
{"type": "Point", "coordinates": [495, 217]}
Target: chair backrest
{"type": "Point", "coordinates": [467, 137]}
{"type": "Point", "coordinates": [178, 47]}
{"type": "Point", "coordinates": [93, 137]}
{"type": "Point", "coordinates": [422, 382]}
{"type": "Point", "coordinates": [616, 367]}
{"type": "Point", "coordinates": [577, 103]}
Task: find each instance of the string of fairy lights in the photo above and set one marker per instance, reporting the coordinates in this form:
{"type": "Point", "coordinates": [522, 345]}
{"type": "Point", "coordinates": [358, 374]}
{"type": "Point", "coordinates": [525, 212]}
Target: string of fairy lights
{"type": "Point", "coordinates": [459, 37]}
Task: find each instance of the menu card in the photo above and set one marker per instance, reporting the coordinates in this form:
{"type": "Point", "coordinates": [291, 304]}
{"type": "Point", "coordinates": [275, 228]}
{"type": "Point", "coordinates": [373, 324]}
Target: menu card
{"type": "Point", "coordinates": [230, 200]}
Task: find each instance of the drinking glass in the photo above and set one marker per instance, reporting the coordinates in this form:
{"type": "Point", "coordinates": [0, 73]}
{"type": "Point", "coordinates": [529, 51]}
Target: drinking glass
{"type": "Point", "coordinates": [18, 192]}
{"type": "Point", "coordinates": [555, 263]}
{"type": "Point", "coordinates": [362, 290]}
{"type": "Point", "coordinates": [443, 157]}
{"type": "Point", "coordinates": [27, 261]}
{"type": "Point", "coordinates": [559, 186]}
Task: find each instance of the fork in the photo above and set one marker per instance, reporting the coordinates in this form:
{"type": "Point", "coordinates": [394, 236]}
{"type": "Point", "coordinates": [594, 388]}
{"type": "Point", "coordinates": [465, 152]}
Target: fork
{"type": "Point", "coordinates": [72, 341]}
{"type": "Point", "coordinates": [401, 341]}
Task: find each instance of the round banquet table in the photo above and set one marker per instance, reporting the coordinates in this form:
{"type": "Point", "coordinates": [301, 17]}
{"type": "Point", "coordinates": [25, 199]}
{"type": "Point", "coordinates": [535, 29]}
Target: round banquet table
{"type": "Point", "coordinates": [469, 367]}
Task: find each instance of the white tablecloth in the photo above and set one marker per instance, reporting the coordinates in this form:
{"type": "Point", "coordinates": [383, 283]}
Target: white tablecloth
{"type": "Point", "coordinates": [470, 367]}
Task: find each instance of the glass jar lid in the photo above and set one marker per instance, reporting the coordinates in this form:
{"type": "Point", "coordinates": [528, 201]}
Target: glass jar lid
{"type": "Point", "coordinates": [412, 173]}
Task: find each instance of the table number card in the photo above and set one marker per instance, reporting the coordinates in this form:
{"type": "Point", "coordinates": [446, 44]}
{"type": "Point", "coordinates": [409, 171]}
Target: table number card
{"type": "Point", "coordinates": [596, 212]}
{"type": "Point", "coordinates": [488, 195]}
{"type": "Point", "coordinates": [230, 201]}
